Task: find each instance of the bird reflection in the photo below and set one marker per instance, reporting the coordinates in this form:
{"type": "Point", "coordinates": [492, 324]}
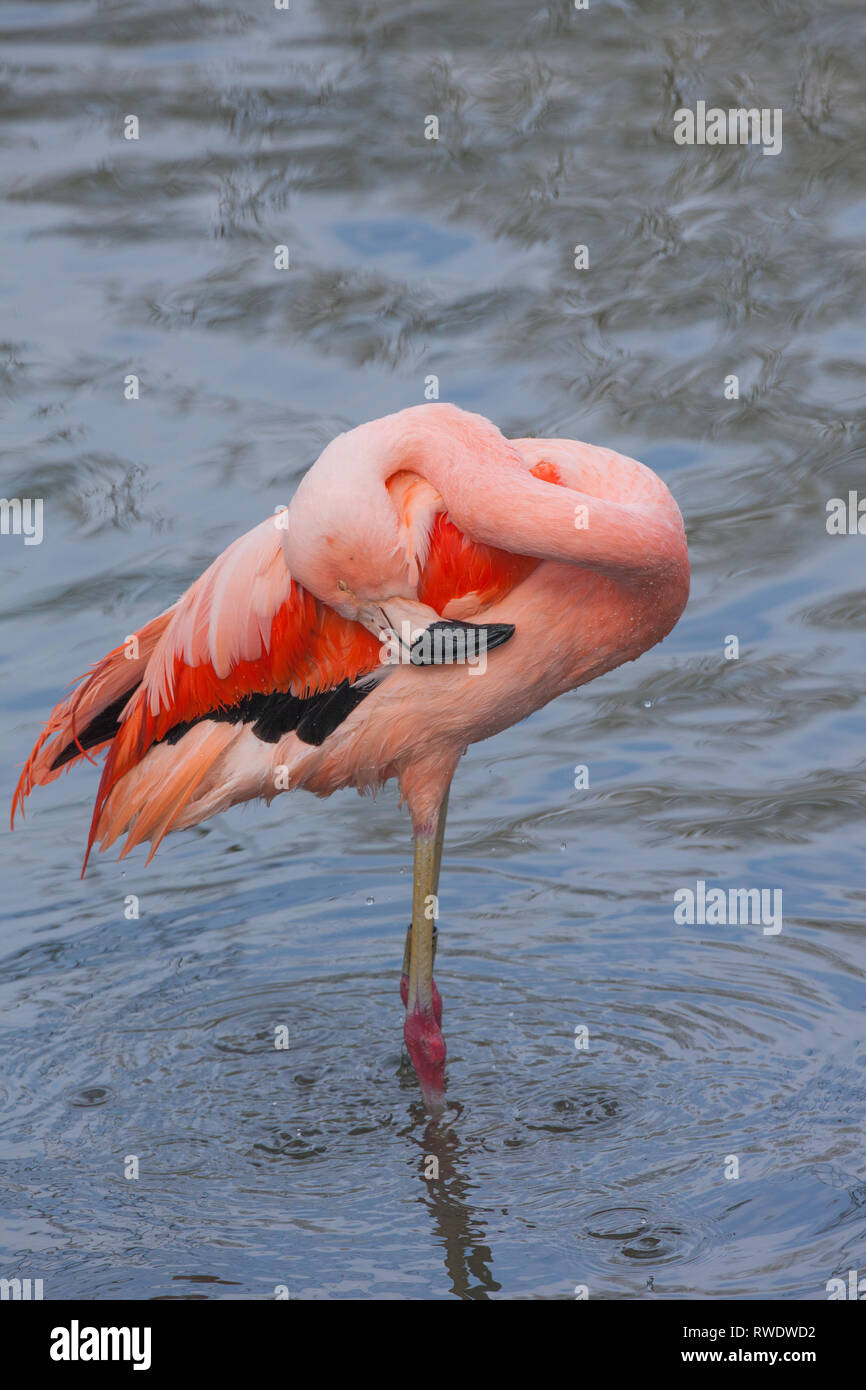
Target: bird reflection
{"type": "Point", "coordinates": [445, 1184]}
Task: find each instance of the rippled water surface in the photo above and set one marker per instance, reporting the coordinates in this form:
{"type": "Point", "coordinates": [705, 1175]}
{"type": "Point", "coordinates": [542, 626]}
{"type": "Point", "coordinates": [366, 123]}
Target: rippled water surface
{"type": "Point", "coordinates": [409, 257]}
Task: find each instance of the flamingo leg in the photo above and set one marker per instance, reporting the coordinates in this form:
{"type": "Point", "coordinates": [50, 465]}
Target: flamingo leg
{"type": "Point", "coordinates": [437, 865]}
{"type": "Point", "coordinates": [440, 839]}
{"type": "Point", "coordinates": [422, 1030]}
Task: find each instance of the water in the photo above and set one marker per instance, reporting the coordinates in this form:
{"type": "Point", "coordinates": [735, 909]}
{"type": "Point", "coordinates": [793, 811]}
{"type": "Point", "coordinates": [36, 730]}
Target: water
{"type": "Point", "coordinates": [154, 1037]}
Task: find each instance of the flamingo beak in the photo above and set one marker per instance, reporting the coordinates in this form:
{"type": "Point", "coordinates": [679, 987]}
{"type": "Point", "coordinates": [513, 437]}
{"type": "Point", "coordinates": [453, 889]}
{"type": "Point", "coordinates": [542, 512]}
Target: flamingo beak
{"type": "Point", "coordinates": [425, 639]}
{"type": "Point", "coordinates": [444, 641]}
{"type": "Point", "coordinates": [396, 617]}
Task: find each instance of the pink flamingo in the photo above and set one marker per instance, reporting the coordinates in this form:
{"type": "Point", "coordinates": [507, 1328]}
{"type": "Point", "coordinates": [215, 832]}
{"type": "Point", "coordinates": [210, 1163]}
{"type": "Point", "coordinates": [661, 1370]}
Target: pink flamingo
{"type": "Point", "coordinates": [430, 584]}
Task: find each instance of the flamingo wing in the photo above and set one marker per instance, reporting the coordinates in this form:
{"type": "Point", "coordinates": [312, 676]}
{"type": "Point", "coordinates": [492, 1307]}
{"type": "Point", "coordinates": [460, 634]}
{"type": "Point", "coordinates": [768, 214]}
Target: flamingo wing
{"type": "Point", "coordinates": [242, 632]}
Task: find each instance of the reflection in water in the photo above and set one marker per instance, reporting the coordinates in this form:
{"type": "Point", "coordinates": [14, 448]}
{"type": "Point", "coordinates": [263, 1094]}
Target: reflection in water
{"type": "Point", "coordinates": [454, 1223]}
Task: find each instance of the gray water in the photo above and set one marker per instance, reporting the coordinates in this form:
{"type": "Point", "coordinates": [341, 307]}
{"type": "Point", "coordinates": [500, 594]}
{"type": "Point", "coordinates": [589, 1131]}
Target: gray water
{"type": "Point", "coordinates": [558, 1166]}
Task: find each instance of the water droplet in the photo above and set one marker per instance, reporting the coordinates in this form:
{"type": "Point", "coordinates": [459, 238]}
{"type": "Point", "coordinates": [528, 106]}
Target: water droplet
{"type": "Point", "coordinates": [647, 704]}
{"type": "Point", "coordinates": [87, 1096]}
{"type": "Point", "coordinates": [370, 901]}
{"type": "Point", "coordinates": [562, 844]}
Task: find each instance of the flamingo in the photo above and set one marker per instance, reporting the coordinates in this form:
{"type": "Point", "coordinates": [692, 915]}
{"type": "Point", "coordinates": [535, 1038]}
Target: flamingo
{"type": "Point", "coordinates": [430, 584]}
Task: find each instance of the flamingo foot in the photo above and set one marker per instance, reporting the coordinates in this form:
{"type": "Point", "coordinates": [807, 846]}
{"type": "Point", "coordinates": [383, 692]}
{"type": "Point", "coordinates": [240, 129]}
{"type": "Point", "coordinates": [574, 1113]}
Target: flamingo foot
{"type": "Point", "coordinates": [426, 1046]}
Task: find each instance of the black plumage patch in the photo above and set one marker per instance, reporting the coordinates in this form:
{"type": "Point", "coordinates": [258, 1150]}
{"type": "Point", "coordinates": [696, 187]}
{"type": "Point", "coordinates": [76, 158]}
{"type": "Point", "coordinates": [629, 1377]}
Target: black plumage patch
{"type": "Point", "coordinates": [101, 728]}
{"type": "Point", "coordinates": [311, 717]}
{"type": "Point", "coordinates": [326, 712]}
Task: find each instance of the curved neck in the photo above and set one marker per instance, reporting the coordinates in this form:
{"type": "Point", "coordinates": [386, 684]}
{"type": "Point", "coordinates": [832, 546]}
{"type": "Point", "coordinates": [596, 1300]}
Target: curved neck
{"type": "Point", "coordinates": [491, 495]}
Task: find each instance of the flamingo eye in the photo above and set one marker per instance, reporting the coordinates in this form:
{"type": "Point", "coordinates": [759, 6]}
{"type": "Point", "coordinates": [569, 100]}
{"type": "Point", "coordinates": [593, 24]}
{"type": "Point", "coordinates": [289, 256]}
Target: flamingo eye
{"type": "Point", "coordinates": [341, 584]}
